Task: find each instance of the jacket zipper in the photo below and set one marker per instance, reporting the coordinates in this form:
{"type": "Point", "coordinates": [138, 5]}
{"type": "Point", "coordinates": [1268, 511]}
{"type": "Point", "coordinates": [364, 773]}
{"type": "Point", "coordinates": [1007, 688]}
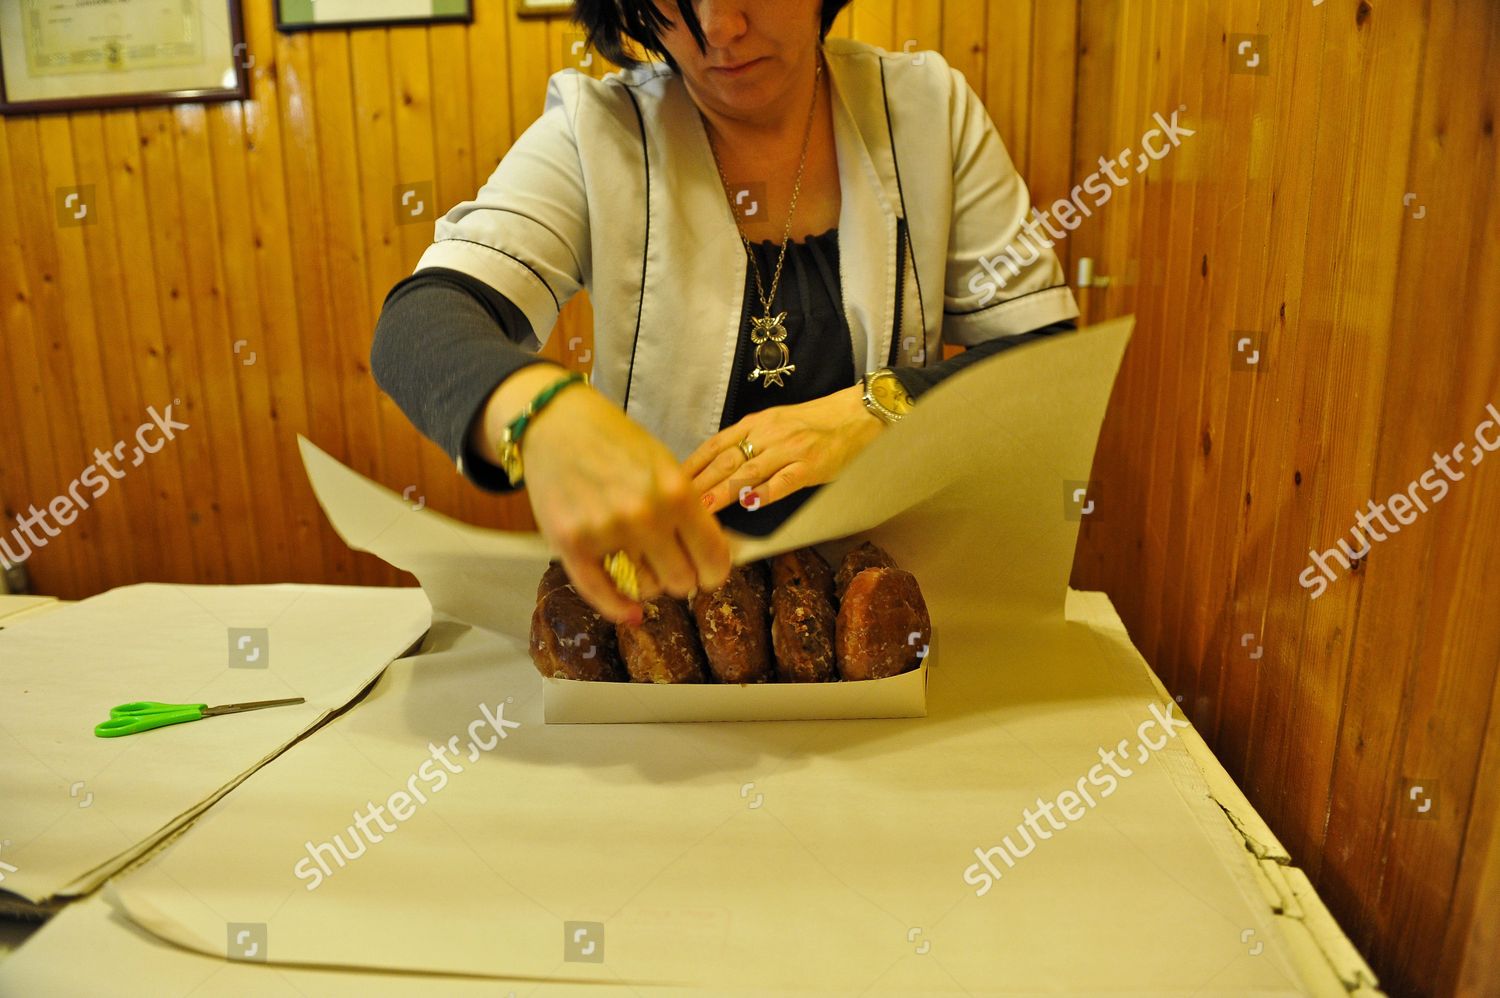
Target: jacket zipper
{"type": "Point", "coordinates": [900, 289]}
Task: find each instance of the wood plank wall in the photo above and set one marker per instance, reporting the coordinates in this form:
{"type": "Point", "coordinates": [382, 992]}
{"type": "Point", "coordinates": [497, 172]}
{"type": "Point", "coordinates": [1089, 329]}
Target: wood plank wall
{"type": "Point", "coordinates": [1286, 217]}
{"type": "Point", "coordinates": [239, 255]}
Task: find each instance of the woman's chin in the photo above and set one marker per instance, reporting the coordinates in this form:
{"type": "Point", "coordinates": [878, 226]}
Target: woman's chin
{"type": "Point", "coordinates": [751, 94]}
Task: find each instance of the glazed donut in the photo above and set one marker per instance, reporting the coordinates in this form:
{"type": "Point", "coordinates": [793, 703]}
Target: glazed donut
{"type": "Point", "coordinates": [883, 626]}
{"type": "Point", "coordinates": [865, 556]}
{"type": "Point", "coordinates": [663, 647]}
{"type": "Point", "coordinates": [555, 576]}
{"type": "Point", "coordinates": [802, 634]}
{"type": "Point", "coordinates": [802, 567]}
{"type": "Point", "coordinates": [733, 626]}
{"type": "Point", "coordinates": [571, 640]}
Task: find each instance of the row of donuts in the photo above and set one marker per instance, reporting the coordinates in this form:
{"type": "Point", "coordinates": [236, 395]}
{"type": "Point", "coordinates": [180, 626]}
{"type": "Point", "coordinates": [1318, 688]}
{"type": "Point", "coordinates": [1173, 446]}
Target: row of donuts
{"type": "Point", "coordinates": [789, 619]}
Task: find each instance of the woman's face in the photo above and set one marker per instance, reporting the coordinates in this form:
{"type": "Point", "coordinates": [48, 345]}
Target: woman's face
{"type": "Point", "coordinates": [757, 50]}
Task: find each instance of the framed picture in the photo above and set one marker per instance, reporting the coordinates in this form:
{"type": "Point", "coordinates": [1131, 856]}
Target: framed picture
{"type": "Point", "coordinates": [543, 8]}
{"type": "Point", "coordinates": [64, 55]}
{"type": "Point", "coordinates": [303, 15]}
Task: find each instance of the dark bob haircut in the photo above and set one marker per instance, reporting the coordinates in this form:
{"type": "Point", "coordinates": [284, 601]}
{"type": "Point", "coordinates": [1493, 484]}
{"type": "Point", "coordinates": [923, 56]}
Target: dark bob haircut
{"type": "Point", "coordinates": [610, 24]}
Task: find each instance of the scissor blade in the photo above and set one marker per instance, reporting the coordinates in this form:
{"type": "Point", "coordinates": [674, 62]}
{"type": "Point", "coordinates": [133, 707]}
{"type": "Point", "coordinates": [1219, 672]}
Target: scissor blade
{"type": "Point", "coordinates": [236, 708]}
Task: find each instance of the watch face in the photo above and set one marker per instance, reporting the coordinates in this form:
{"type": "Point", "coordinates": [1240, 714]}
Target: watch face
{"type": "Point", "coordinates": [889, 392]}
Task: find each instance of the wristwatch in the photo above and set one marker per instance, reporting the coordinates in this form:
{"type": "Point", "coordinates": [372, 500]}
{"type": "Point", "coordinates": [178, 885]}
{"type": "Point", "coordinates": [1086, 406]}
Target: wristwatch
{"type": "Point", "coordinates": [885, 396]}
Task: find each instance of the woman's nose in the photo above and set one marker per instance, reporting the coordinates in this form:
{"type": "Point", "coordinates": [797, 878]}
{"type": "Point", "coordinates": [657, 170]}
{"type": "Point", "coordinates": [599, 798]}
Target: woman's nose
{"type": "Point", "coordinates": [724, 21]}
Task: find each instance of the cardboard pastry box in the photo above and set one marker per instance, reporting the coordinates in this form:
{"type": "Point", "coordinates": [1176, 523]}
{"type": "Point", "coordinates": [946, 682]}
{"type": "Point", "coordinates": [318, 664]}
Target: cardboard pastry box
{"type": "Point", "coordinates": [573, 701]}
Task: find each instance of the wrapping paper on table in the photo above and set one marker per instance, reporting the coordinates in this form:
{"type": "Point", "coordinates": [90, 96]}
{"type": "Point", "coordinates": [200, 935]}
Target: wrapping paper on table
{"type": "Point", "coordinates": [791, 857]}
{"type": "Point", "coordinates": [782, 857]}
{"type": "Point", "coordinates": [12, 608]}
{"type": "Point", "coordinates": [76, 807]}
{"type": "Point", "coordinates": [126, 961]}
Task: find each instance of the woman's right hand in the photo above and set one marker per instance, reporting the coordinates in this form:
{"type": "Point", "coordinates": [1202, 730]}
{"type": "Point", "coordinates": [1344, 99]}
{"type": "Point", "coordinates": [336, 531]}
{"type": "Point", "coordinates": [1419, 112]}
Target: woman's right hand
{"type": "Point", "coordinates": [599, 482]}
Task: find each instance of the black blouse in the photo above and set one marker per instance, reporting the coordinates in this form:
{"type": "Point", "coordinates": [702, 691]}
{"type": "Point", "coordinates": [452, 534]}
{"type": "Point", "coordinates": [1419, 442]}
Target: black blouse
{"type": "Point", "coordinates": [436, 354]}
{"type": "Point", "coordinates": [821, 351]}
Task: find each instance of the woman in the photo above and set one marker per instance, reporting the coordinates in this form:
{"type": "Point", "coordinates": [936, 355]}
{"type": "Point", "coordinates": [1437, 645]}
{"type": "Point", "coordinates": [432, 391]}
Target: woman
{"type": "Point", "coordinates": [777, 231]}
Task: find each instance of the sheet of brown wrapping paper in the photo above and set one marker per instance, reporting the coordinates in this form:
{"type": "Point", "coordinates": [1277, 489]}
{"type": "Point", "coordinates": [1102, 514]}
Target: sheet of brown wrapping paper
{"type": "Point", "coordinates": [74, 808]}
{"type": "Point", "coordinates": [777, 857]}
{"type": "Point", "coordinates": [126, 961]}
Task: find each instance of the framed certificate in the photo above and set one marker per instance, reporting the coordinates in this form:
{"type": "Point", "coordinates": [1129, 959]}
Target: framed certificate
{"type": "Point", "coordinates": [300, 15]}
{"type": "Point", "coordinates": [543, 8]}
{"type": "Point", "coordinates": [60, 55]}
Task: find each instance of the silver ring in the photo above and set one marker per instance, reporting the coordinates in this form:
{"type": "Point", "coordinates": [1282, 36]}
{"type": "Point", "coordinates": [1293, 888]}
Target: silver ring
{"type": "Point", "coordinates": [747, 448]}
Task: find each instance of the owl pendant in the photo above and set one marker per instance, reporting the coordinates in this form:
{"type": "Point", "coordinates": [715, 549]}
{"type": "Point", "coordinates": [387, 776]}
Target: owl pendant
{"type": "Point", "coordinates": [768, 333]}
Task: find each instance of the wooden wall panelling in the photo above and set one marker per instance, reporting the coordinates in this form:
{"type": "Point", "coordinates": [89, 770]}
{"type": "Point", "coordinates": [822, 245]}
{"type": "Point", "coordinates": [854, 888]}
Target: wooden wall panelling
{"type": "Point", "coordinates": [105, 404]}
{"type": "Point", "coordinates": [1155, 407]}
{"type": "Point", "coordinates": [1283, 108]}
{"type": "Point", "coordinates": [228, 499]}
{"type": "Point", "coordinates": [47, 363]}
{"type": "Point", "coordinates": [249, 389]}
{"type": "Point", "coordinates": [1097, 37]}
{"type": "Point", "coordinates": [1177, 444]}
{"type": "Point", "coordinates": [1471, 939]}
{"type": "Point", "coordinates": [325, 375]}
{"type": "Point", "coordinates": [1454, 667]}
{"type": "Point", "coordinates": [1236, 150]}
{"type": "Point", "coordinates": [1448, 379]}
{"type": "Point", "coordinates": [52, 292]}
{"type": "Point", "coordinates": [188, 523]}
{"type": "Point", "coordinates": [352, 298]}
{"type": "Point", "coordinates": [1343, 337]}
{"type": "Point", "coordinates": [1050, 107]}
{"type": "Point", "coordinates": [874, 21]}
{"type": "Point", "coordinates": [1167, 226]}
{"type": "Point", "coordinates": [921, 22]}
{"type": "Point", "coordinates": [1205, 363]}
{"type": "Point", "coordinates": [963, 40]}
{"type": "Point", "coordinates": [1471, 928]}
{"type": "Point", "coordinates": [1294, 227]}
{"type": "Point", "coordinates": [135, 323]}
{"type": "Point", "coordinates": [1119, 529]}
{"type": "Point", "coordinates": [1291, 402]}
{"type": "Point", "coordinates": [271, 204]}
{"type": "Point", "coordinates": [1008, 73]}
{"type": "Point", "coordinates": [27, 456]}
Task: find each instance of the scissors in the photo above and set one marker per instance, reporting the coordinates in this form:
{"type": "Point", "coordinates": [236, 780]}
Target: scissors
{"type": "Point", "coordinates": [129, 718]}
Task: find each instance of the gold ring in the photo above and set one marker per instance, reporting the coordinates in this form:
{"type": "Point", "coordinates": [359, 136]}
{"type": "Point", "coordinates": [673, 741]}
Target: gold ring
{"type": "Point", "coordinates": [623, 571]}
{"type": "Point", "coordinates": [747, 448]}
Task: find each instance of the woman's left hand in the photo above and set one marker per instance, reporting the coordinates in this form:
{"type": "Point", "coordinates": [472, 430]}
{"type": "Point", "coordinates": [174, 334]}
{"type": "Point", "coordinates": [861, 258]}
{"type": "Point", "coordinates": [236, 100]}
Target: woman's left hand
{"type": "Point", "coordinates": [795, 446]}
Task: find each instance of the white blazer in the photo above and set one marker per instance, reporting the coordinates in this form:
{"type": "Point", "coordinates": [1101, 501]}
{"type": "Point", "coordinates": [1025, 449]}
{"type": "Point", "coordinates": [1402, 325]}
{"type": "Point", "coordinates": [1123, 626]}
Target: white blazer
{"type": "Point", "coordinates": [614, 189]}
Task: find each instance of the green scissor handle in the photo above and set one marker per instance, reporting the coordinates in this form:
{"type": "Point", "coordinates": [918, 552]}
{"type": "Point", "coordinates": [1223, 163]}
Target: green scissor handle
{"type": "Point", "coordinates": [129, 718]}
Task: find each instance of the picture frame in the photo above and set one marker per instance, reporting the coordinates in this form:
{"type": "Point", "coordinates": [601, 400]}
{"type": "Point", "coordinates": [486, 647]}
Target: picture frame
{"type": "Point", "coordinates": [152, 53]}
{"type": "Point", "coordinates": [544, 8]}
{"type": "Point", "coordinates": [314, 15]}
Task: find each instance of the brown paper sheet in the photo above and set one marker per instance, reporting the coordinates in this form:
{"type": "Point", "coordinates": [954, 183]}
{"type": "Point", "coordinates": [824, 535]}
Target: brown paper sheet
{"type": "Point", "coordinates": [76, 808]}
{"type": "Point", "coordinates": [770, 857]}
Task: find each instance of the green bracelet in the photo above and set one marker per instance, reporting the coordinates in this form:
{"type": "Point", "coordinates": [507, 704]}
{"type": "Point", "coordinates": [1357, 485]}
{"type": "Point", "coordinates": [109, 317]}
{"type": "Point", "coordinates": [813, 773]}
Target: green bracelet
{"type": "Point", "coordinates": [510, 440]}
